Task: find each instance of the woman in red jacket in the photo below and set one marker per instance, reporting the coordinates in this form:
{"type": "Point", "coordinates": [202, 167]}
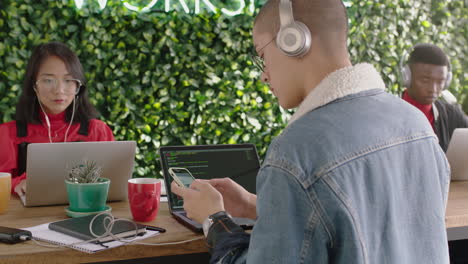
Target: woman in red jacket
{"type": "Point", "coordinates": [53, 107]}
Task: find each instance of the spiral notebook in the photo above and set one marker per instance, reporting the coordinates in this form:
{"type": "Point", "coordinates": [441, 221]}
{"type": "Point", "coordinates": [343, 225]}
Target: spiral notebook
{"type": "Point", "coordinates": [80, 228]}
{"type": "Point", "coordinates": [43, 233]}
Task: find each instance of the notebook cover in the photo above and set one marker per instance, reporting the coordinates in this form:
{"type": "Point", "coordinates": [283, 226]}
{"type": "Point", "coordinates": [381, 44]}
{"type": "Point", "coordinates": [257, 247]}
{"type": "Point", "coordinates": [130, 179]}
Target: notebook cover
{"type": "Point", "coordinates": [43, 233]}
{"type": "Point", "coordinates": [79, 228]}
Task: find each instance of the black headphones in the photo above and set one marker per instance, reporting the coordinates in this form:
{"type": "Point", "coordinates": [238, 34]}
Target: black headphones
{"type": "Point", "coordinates": [405, 70]}
{"type": "Point", "coordinates": [294, 38]}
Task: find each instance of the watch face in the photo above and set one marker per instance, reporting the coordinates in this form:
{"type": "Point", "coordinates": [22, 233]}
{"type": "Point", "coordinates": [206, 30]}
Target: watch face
{"type": "Point", "coordinates": [210, 220]}
{"type": "Point", "coordinates": [206, 225]}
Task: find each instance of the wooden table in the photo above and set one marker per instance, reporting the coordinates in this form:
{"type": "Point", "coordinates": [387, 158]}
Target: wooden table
{"type": "Point", "coordinates": [28, 252]}
{"type": "Point", "coordinates": [457, 206]}
{"type": "Point", "coordinates": [18, 216]}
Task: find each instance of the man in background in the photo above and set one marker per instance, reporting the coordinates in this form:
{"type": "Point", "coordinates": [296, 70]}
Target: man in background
{"type": "Point", "coordinates": [425, 77]}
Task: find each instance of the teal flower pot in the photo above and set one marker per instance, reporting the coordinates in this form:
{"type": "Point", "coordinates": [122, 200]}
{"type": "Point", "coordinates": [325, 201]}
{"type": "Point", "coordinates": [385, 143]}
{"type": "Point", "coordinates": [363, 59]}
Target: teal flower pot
{"type": "Point", "coordinates": [88, 197]}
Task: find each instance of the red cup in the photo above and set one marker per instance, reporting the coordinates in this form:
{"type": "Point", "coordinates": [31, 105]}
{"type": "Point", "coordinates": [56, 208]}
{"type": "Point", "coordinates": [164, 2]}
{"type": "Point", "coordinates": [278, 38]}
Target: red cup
{"type": "Point", "coordinates": [143, 195]}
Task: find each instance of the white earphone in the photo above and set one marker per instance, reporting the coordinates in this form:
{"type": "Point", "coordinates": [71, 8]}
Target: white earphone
{"type": "Point", "coordinates": [405, 70]}
{"type": "Point", "coordinates": [294, 38]}
{"type": "Point", "coordinates": [45, 115]}
{"type": "Point", "coordinates": [47, 118]}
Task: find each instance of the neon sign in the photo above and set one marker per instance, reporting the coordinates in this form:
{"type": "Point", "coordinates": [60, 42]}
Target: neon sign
{"type": "Point", "coordinates": [167, 6]}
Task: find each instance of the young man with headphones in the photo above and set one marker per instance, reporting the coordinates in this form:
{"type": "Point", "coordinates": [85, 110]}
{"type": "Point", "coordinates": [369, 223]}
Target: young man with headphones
{"type": "Point", "coordinates": [341, 184]}
{"type": "Point", "coordinates": [426, 76]}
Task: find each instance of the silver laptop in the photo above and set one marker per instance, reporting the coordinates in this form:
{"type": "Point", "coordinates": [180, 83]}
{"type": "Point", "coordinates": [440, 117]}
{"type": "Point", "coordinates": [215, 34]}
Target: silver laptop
{"type": "Point", "coordinates": [457, 154]}
{"type": "Point", "coordinates": [238, 162]}
{"type": "Point", "coordinates": [47, 165]}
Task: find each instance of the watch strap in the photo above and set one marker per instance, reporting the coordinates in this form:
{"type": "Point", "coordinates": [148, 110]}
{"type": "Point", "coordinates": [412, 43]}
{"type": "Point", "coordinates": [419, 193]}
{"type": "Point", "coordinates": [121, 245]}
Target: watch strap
{"type": "Point", "coordinates": [221, 226]}
{"type": "Point", "coordinates": [209, 221]}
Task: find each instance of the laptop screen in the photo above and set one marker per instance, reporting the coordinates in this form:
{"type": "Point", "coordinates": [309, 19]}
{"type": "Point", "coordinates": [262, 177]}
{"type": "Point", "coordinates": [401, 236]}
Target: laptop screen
{"type": "Point", "coordinates": [238, 162]}
{"type": "Point", "coordinates": [457, 154]}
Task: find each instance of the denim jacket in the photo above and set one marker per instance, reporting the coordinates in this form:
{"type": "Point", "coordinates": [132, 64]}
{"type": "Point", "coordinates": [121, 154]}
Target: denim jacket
{"type": "Point", "coordinates": [357, 176]}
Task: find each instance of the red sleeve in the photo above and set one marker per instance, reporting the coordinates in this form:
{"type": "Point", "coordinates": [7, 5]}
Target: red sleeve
{"type": "Point", "coordinates": [99, 131]}
{"type": "Point", "coordinates": [8, 153]}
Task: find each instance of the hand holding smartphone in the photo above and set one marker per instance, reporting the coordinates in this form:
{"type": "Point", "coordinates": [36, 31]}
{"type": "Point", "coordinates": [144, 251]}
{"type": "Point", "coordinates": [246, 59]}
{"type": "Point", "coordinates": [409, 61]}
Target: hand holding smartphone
{"type": "Point", "coordinates": [181, 176]}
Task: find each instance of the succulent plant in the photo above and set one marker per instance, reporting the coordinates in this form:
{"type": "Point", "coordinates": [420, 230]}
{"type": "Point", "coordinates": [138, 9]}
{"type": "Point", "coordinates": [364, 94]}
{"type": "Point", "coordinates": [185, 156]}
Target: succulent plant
{"type": "Point", "coordinates": [84, 172]}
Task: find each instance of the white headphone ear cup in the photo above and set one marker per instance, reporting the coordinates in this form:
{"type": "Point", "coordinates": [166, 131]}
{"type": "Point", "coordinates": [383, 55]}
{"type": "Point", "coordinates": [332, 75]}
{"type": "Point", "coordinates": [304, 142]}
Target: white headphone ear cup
{"type": "Point", "coordinates": [406, 76]}
{"type": "Point", "coordinates": [307, 39]}
{"type": "Point", "coordinates": [294, 40]}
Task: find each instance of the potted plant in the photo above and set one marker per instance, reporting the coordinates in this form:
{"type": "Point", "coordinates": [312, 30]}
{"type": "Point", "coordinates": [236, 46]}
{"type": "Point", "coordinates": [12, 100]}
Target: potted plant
{"type": "Point", "coordinates": [87, 190]}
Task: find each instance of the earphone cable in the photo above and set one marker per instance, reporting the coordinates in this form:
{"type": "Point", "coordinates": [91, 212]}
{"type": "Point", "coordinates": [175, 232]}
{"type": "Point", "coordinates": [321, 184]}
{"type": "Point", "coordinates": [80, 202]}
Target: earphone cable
{"type": "Point", "coordinates": [47, 121]}
{"type": "Point", "coordinates": [108, 223]}
{"type": "Point", "coordinates": [71, 120]}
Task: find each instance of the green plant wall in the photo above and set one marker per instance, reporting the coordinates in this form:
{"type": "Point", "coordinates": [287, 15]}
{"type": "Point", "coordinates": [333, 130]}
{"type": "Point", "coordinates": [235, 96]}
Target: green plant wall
{"type": "Point", "coordinates": [384, 31]}
{"type": "Point", "coordinates": [170, 78]}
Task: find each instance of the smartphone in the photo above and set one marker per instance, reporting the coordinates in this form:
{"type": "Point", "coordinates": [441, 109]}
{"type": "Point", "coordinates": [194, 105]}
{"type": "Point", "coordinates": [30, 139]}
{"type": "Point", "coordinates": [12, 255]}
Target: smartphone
{"type": "Point", "coordinates": [13, 235]}
{"type": "Point", "coordinates": [181, 176]}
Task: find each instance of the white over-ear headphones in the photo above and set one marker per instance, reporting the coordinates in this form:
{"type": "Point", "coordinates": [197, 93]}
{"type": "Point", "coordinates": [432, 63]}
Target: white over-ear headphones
{"type": "Point", "coordinates": [293, 38]}
{"type": "Point", "coordinates": [406, 71]}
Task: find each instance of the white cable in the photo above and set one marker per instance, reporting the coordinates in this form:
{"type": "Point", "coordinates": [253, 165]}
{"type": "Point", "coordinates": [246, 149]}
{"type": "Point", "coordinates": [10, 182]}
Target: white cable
{"type": "Point", "coordinates": [131, 242]}
{"type": "Point", "coordinates": [108, 223]}
{"type": "Point", "coordinates": [45, 245]}
{"type": "Point", "coordinates": [71, 120]}
{"type": "Point", "coordinates": [25, 237]}
{"type": "Point", "coordinates": [48, 122]}
{"type": "Point", "coordinates": [168, 243]}
{"type": "Point", "coordinates": [46, 119]}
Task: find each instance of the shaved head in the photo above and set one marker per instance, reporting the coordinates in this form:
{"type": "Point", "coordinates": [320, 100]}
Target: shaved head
{"type": "Point", "coordinates": [326, 19]}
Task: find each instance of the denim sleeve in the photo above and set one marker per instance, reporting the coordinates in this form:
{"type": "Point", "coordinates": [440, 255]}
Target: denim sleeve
{"type": "Point", "coordinates": [230, 248]}
{"type": "Point", "coordinates": [284, 214]}
{"type": "Point", "coordinates": [283, 210]}
{"type": "Point", "coordinates": [225, 239]}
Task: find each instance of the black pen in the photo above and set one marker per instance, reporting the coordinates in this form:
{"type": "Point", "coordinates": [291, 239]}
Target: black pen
{"type": "Point", "coordinates": [155, 228]}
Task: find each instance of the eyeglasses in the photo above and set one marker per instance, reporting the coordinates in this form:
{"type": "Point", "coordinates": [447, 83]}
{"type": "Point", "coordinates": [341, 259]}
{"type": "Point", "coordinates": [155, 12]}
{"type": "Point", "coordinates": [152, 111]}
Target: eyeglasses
{"type": "Point", "coordinates": [258, 61]}
{"type": "Point", "coordinates": [70, 86]}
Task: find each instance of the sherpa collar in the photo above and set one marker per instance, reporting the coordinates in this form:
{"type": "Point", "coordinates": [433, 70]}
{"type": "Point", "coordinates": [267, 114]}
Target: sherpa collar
{"type": "Point", "coordinates": [340, 83]}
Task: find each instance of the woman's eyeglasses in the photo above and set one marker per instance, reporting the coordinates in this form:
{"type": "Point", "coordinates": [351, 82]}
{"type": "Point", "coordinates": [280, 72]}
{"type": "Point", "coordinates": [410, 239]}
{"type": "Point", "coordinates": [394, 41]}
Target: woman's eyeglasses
{"type": "Point", "coordinates": [70, 86]}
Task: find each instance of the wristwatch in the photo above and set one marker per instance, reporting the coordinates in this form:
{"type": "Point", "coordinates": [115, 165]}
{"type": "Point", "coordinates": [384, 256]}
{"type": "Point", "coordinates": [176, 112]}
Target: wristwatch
{"type": "Point", "coordinates": [211, 219]}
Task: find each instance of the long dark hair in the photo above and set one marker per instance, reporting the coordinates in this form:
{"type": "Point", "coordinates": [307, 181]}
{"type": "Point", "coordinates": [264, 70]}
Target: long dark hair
{"type": "Point", "coordinates": [27, 109]}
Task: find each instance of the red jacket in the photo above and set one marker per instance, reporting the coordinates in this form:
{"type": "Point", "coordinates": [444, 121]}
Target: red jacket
{"type": "Point", "coordinates": [37, 133]}
{"type": "Point", "coordinates": [426, 109]}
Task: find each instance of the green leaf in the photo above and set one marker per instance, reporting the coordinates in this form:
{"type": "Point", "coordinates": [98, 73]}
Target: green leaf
{"type": "Point", "coordinates": [174, 78]}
